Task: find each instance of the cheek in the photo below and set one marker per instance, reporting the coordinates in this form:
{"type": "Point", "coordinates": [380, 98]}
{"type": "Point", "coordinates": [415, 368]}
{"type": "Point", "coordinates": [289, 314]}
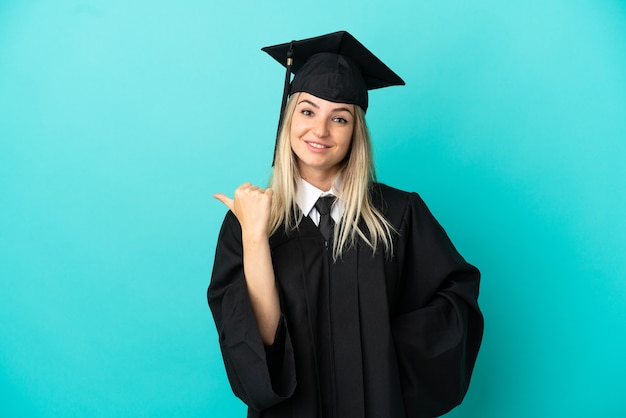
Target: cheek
{"type": "Point", "coordinates": [295, 144]}
{"type": "Point", "coordinates": [344, 148]}
{"type": "Point", "coordinates": [293, 133]}
{"type": "Point", "coordinates": [298, 130]}
{"type": "Point", "coordinates": [346, 140]}
{"type": "Point", "coordinates": [297, 123]}
{"type": "Point", "coordinates": [346, 144]}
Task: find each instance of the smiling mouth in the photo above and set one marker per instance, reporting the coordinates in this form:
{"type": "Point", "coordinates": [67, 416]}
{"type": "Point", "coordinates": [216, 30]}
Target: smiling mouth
{"type": "Point", "coordinates": [317, 145]}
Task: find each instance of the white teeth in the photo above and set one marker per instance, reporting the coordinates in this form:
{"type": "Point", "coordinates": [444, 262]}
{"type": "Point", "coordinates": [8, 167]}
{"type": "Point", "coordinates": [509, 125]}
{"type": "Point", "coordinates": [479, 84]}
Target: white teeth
{"type": "Point", "coordinates": [314, 145]}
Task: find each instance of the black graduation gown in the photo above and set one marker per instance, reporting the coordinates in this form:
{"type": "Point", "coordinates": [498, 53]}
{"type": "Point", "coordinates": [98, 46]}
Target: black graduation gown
{"type": "Point", "coordinates": [367, 336]}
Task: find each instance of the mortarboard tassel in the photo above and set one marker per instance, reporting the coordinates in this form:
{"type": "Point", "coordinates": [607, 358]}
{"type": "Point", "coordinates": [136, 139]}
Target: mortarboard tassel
{"type": "Point", "coordinates": [285, 96]}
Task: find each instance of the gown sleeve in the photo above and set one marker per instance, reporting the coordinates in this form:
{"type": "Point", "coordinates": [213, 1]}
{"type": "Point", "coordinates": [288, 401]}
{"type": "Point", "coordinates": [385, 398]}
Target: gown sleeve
{"type": "Point", "coordinates": [437, 325]}
{"type": "Point", "coordinates": [259, 375]}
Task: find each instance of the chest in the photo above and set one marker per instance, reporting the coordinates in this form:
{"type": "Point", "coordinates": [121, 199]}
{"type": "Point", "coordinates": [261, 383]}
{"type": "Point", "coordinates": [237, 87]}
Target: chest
{"type": "Point", "coordinates": [309, 280]}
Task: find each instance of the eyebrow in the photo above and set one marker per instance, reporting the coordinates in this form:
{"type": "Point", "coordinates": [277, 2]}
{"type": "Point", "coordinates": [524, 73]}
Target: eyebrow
{"type": "Point", "coordinates": [337, 109]}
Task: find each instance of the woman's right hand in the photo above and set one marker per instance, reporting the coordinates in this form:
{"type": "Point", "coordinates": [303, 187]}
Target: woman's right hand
{"type": "Point", "coordinates": [251, 205]}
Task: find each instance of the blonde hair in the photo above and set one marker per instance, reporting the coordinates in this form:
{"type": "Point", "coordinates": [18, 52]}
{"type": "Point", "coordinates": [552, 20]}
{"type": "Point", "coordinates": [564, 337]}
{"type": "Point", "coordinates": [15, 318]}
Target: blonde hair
{"type": "Point", "coordinates": [361, 218]}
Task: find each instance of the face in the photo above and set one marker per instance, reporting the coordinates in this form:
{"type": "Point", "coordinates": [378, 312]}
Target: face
{"type": "Point", "coordinates": [321, 132]}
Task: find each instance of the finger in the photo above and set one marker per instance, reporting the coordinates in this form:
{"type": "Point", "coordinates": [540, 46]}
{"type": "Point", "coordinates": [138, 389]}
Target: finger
{"type": "Point", "coordinates": [225, 200]}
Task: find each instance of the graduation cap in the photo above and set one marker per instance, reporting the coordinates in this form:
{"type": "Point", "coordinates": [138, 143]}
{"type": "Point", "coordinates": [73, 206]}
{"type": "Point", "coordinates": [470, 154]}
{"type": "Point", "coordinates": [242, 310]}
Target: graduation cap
{"type": "Point", "coordinates": [335, 67]}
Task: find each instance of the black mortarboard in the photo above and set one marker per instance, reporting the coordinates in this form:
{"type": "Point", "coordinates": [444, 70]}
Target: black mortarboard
{"type": "Point", "coordinates": [334, 67]}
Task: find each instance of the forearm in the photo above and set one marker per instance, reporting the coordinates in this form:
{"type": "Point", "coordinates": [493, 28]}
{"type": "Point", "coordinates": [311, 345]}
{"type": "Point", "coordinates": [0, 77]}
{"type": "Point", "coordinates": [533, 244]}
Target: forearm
{"type": "Point", "coordinates": [259, 273]}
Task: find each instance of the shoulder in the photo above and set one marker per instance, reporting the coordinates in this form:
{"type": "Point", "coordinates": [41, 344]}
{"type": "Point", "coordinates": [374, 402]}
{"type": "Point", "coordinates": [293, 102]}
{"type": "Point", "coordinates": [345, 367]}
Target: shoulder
{"type": "Point", "coordinates": [390, 194]}
{"type": "Point", "coordinates": [231, 229]}
{"type": "Point", "coordinates": [400, 207]}
{"type": "Point", "coordinates": [388, 198]}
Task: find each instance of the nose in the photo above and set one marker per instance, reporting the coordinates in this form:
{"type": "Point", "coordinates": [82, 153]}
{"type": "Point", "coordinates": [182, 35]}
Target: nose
{"type": "Point", "coordinates": [321, 128]}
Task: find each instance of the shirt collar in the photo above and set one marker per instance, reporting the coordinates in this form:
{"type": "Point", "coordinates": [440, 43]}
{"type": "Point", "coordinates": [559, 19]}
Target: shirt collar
{"type": "Point", "coordinates": [307, 195]}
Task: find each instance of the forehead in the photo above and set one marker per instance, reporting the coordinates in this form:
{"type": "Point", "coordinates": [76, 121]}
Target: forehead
{"type": "Point", "coordinates": [323, 103]}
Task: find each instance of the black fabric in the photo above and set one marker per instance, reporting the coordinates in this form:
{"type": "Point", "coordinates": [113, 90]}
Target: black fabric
{"type": "Point", "coordinates": [323, 206]}
{"type": "Point", "coordinates": [334, 67]}
{"type": "Point", "coordinates": [367, 336]}
{"type": "Point", "coordinates": [332, 77]}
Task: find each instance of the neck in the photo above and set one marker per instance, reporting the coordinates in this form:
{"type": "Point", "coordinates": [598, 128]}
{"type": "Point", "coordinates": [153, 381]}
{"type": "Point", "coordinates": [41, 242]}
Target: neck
{"type": "Point", "coordinates": [323, 180]}
{"type": "Point", "coordinates": [324, 184]}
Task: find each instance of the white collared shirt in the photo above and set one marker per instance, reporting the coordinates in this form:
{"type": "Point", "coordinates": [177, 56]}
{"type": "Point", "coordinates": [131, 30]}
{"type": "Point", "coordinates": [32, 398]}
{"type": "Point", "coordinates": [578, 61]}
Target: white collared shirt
{"type": "Point", "coordinates": [307, 195]}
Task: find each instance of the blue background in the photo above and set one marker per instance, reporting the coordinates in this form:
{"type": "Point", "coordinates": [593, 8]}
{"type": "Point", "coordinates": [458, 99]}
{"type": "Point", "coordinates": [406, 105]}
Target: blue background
{"type": "Point", "coordinates": [120, 119]}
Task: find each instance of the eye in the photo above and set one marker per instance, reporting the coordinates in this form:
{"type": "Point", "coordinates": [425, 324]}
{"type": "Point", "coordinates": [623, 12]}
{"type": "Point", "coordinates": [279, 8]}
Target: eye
{"type": "Point", "coordinates": [306, 112]}
{"type": "Point", "coordinates": [339, 119]}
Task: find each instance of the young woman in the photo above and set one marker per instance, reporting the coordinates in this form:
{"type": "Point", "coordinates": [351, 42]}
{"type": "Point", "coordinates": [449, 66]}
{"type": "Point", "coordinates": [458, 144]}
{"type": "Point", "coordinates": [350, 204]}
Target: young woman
{"type": "Point", "coordinates": [334, 295]}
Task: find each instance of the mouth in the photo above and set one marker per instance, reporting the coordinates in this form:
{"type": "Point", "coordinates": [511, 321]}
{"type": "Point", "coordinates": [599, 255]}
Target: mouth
{"type": "Point", "coordinates": [317, 145]}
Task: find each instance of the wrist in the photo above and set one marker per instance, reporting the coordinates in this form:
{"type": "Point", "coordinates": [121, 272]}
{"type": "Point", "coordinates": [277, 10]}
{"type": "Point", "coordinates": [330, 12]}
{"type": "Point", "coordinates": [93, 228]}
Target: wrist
{"type": "Point", "coordinates": [254, 236]}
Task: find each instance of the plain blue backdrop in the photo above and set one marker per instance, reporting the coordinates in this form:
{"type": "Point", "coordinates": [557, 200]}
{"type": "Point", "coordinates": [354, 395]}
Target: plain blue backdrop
{"type": "Point", "coordinates": [120, 119]}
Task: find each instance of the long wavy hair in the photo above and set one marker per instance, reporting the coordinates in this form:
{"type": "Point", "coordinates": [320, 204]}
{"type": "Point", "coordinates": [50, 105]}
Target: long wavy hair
{"type": "Point", "coordinates": [361, 218]}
